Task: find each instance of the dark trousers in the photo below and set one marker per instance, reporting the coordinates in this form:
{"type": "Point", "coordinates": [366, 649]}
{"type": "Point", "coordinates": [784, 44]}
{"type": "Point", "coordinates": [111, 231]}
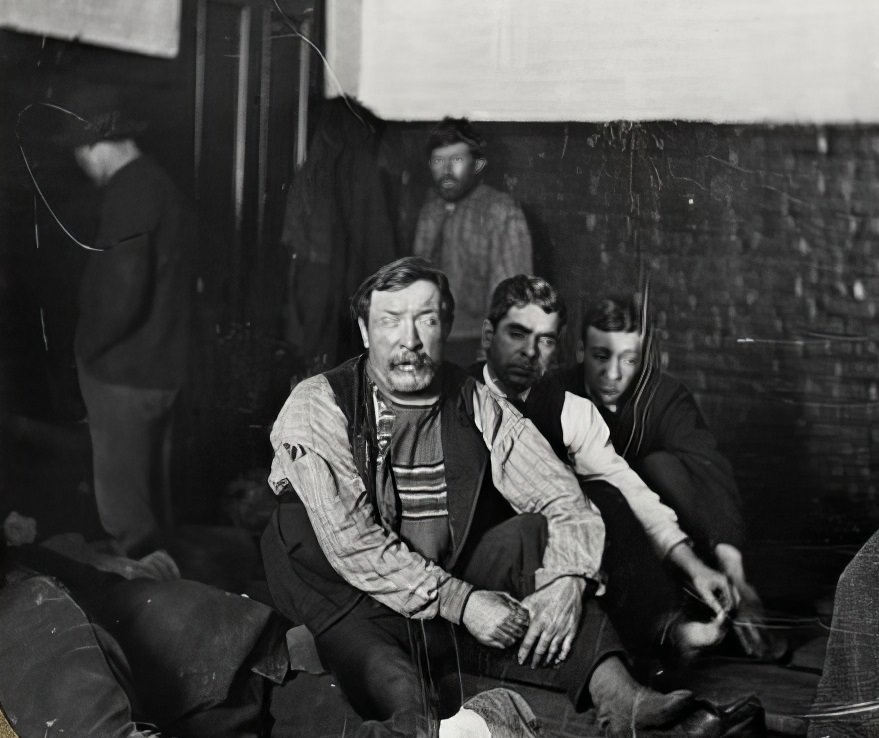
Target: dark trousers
{"type": "Point", "coordinates": [389, 666]}
{"type": "Point", "coordinates": [642, 595]}
{"type": "Point", "coordinates": [130, 429]}
{"type": "Point", "coordinates": [705, 510]}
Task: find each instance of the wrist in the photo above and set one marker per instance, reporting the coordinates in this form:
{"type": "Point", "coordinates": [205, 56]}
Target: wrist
{"type": "Point", "coordinates": [454, 594]}
{"type": "Point", "coordinates": [572, 580]}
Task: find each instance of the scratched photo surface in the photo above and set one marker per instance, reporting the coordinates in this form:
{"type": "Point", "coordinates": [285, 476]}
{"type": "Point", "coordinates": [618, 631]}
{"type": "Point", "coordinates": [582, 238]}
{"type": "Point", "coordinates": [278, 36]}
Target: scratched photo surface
{"type": "Point", "coordinates": [725, 165]}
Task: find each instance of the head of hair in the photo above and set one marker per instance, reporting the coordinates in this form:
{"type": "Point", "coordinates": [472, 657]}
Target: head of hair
{"type": "Point", "coordinates": [614, 315]}
{"type": "Point", "coordinates": [398, 275]}
{"type": "Point", "coordinates": [522, 290]}
{"type": "Point", "coordinates": [456, 130]}
{"type": "Point", "coordinates": [96, 112]}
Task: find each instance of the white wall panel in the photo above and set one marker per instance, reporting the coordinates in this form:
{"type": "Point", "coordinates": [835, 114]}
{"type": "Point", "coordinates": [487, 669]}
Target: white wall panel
{"type": "Point", "coordinates": [144, 26]}
{"type": "Point", "coordinates": [599, 60]}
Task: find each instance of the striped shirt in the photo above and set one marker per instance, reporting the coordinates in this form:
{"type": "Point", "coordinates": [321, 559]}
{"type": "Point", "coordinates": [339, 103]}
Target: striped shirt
{"type": "Point", "coordinates": [314, 458]}
{"type": "Point", "coordinates": [477, 241]}
{"type": "Point", "coordinates": [414, 454]}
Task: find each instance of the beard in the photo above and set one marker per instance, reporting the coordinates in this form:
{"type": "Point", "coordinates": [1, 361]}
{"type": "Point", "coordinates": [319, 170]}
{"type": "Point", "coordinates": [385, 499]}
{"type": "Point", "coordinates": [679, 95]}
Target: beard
{"type": "Point", "coordinates": [452, 189]}
{"type": "Point", "coordinates": [410, 372]}
{"type": "Point", "coordinates": [519, 378]}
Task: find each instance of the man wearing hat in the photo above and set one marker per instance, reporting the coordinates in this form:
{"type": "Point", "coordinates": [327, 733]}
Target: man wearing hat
{"type": "Point", "coordinates": [132, 334]}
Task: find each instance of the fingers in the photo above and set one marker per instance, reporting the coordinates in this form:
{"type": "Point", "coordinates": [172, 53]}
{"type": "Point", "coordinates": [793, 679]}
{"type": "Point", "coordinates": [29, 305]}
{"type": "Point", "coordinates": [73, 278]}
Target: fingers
{"type": "Point", "coordinates": [543, 644]}
{"type": "Point", "coordinates": [528, 641]}
{"type": "Point", "coordinates": [707, 595]}
{"type": "Point", "coordinates": [749, 635]}
{"type": "Point", "coordinates": [746, 638]}
{"type": "Point", "coordinates": [717, 594]}
{"type": "Point", "coordinates": [566, 647]}
{"type": "Point", "coordinates": [734, 594]}
{"type": "Point", "coordinates": [552, 652]}
{"type": "Point", "coordinates": [511, 630]}
{"type": "Point", "coordinates": [550, 641]}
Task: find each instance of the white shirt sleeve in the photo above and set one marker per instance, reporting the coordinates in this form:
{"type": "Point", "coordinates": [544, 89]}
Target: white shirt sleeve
{"type": "Point", "coordinates": [593, 457]}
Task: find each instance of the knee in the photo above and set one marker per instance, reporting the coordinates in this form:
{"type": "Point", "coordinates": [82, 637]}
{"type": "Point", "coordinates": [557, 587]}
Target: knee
{"type": "Point", "coordinates": [532, 526]}
{"type": "Point", "coordinates": [607, 497]}
{"type": "Point", "coordinates": [384, 683]}
{"type": "Point", "coordinates": [657, 462]}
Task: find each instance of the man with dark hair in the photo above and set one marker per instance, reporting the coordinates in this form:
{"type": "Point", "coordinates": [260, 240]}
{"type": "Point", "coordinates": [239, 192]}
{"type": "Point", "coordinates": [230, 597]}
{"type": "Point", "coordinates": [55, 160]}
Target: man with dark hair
{"type": "Point", "coordinates": [413, 499]}
{"type": "Point", "coordinates": [656, 425]}
{"type": "Point", "coordinates": [132, 335]}
{"type": "Point", "coordinates": [520, 337]}
{"type": "Point", "coordinates": [476, 234]}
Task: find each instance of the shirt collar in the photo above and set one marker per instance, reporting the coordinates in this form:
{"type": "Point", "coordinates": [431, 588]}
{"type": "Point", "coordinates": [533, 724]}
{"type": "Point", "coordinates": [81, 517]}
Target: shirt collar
{"type": "Point", "coordinates": [492, 385]}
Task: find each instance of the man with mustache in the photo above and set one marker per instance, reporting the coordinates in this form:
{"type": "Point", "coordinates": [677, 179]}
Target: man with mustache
{"type": "Point", "coordinates": [412, 500]}
{"type": "Point", "coordinates": [476, 234]}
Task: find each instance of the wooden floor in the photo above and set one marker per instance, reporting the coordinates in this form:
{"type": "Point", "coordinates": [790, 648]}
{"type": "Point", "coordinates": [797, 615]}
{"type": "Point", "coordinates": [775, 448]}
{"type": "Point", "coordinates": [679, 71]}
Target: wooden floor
{"type": "Point", "coordinates": [796, 582]}
{"type": "Point", "coordinates": [786, 691]}
{"type": "Point", "coordinates": [313, 705]}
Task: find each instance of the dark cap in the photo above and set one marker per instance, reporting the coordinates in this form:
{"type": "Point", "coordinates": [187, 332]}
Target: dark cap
{"type": "Point", "coordinates": [94, 113]}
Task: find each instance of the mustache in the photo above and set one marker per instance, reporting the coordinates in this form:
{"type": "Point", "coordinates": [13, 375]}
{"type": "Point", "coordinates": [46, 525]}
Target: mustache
{"type": "Point", "coordinates": [523, 367]}
{"type": "Point", "coordinates": [419, 360]}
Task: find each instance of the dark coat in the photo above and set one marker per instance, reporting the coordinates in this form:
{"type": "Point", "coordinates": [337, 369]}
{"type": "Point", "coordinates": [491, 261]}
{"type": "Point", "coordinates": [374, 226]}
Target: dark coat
{"type": "Point", "coordinates": [673, 423]}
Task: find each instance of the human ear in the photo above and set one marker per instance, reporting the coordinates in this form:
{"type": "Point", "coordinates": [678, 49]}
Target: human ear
{"type": "Point", "coordinates": [487, 334]}
{"type": "Point", "coordinates": [480, 164]}
{"type": "Point", "coordinates": [364, 333]}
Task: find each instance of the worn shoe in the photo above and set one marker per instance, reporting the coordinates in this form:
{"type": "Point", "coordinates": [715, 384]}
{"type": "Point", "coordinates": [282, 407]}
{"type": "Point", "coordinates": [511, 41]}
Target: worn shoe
{"type": "Point", "coordinates": [648, 709]}
{"type": "Point", "coordinates": [744, 718]}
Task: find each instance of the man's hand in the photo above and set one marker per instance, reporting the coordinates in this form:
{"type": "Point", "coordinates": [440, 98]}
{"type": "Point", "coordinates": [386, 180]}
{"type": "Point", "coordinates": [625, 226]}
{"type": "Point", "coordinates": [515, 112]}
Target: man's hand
{"type": "Point", "coordinates": [748, 623]}
{"type": "Point", "coordinates": [714, 589]}
{"type": "Point", "coordinates": [494, 618]}
{"type": "Point", "coordinates": [555, 614]}
{"type": "Point", "coordinates": [710, 586]}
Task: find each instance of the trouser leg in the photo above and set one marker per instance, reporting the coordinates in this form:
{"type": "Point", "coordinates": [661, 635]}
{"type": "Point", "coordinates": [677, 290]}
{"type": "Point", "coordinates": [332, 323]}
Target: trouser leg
{"type": "Point", "coordinates": [641, 593]}
{"type": "Point", "coordinates": [128, 428]}
{"type": "Point", "coordinates": [387, 666]}
{"type": "Point", "coordinates": [505, 559]}
{"type": "Point", "coordinates": [708, 510]}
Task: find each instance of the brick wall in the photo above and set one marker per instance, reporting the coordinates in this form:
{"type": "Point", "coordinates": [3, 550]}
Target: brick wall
{"type": "Point", "coordinates": [761, 245]}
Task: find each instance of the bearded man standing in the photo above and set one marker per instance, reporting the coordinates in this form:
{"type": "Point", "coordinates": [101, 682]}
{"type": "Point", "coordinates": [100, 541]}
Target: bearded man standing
{"type": "Point", "coordinates": [474, 233]}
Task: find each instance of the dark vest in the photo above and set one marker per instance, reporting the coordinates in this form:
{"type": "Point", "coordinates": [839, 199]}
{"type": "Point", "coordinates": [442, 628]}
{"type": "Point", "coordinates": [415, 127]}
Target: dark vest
{"type": "Point", "coordinates": [543, 407]}
{"type": "Point", "coordinates": [312, 592]}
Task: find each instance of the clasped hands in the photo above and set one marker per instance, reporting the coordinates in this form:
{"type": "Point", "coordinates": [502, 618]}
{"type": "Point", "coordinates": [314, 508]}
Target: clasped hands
{"type": "Point", "coordinates": [545, 621]}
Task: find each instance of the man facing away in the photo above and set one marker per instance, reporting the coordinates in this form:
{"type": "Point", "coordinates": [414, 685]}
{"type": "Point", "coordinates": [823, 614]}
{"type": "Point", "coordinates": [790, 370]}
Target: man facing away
{"type": "Point", "coordinates": [413, 500]}
{"type": "Point", "coordinates": [656, 425]}
{"type": "Point", "coordinates": [476, 234]}
{"type": "Point", "coordinates": [132, 335]}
